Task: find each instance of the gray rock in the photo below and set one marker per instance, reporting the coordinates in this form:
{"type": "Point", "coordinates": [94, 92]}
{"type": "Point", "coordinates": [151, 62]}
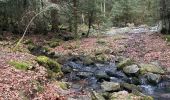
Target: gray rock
{"type": "Point", "coordinates": [97, 96]}
{"type": "Point", "coordinates": [153, 78]}
{"type": "Point", "coordinates": [66, 69]}
{"type": "Point", "coordinates": [84, 74]}
{"type": "Point", "coordinates": [130, 87]}
{"type": "Point", "coordinates": [80, 97]}
{"type": "Point", "coordinates": [110, 86]}
{"type": "Point", "coordinates": [125, 62]}
{"type": "Point", "coordinates": [132, 69]}
{"type": "Point", "coordinates": [145, 68]}
{"type": "Point", "coordinates": [101, 74]}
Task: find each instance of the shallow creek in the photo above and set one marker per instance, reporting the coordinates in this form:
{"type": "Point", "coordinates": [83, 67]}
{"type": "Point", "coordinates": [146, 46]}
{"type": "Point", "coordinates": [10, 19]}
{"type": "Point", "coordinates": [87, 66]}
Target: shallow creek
{"type": "Point", "coordinates": [93, 75]}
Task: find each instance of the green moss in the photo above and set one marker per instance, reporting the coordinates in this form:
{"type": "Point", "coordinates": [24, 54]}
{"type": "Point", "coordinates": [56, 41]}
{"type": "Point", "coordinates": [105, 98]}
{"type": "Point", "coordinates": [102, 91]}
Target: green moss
{"type": "Point", "coordinates": [124, 63]}
{"type": "Point", "coordinates": [64, 85]}
{"type": "Point", "coordinates": [102, 58]}
{"type": "Point", "coordinates": [54, 44]}
{"type": "Point", "coordinates": [145, 68]}
{"type": "Point", "coordinates": [147, 98]}
{"type": "Point", "coordinates": [49, 63]}
{"type": "Point", "coordinates": [53, 75]}
{"type": "Point", "coordinates": [42, 59]}
{"type": "Point", "coordinates": [20, 65]}
{"type": "Point", "coordinates": [130, 86]}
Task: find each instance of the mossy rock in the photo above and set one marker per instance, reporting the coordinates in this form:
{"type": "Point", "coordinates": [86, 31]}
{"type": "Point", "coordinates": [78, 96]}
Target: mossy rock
{"type": "Point", "coordinates": [125, 62]}
{"type": "Point", "coordinates": [124, 95]}
{"type": "Point", "coordinates": [102, 58]}
{"type": "Point", "coordinates": [87, 60]}
{"type": "Point", "coordinates": [64, 85]}
{"type": "Point", "coordinates": [145, 68]}
{"type": "Point", "coordinates": [130, 87]}
{"type": "Point", "coordinates": [49, 63]}
{"type": "Point", "coordinates": [54, 44]}
{"type": "Point", "coordinates": [53, 75]}
{"type": "Point", "coordinates": [147, 98]}
{"type": "Point", "coordinates": [97, 96]}
{"type": "Point", "coordinates": [21, 65]}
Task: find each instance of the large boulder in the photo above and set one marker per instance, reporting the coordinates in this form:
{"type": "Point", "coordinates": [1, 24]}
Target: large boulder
{"type": "Point", "coordinates": [110, 86]}
{"type": "Point", "coordinates": [153, 78]}
{"type": "Point", "coordinates": [132, 69]}
{"type": "Point", "coordinates": [145, 68]}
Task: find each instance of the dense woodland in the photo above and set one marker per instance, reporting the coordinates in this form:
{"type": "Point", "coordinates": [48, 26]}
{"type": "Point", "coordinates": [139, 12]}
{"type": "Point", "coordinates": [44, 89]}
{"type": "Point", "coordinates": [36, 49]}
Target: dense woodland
{"type": "Point", "coordinates": [55, 15]}
{"type": "Point", "coordinates": [84, 49]}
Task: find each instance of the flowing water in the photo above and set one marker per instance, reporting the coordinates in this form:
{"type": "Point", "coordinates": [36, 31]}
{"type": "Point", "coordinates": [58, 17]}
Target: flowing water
{"type": "Point", "coordinates": [89, 77]}
{"type": "Point", "coordinates": [95, 74]}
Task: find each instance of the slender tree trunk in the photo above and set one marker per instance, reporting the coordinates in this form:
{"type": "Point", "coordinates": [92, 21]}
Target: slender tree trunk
{"type": "Point", "coordinates": [104, 7]}
{"type": "Point", "coordinates": [90, 19]}
{"type": "Point", "coordinates": [75, 17]}
{"type": "Point", "coordinates": [54, 18]}
{"type": "Point", "coordinates": [83, 19]}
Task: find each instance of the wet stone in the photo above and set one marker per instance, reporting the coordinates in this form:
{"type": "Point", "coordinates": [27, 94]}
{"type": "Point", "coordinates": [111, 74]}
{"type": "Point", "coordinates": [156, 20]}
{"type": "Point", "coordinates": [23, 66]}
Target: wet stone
{"type": "Point", "coordinates": [84, 74]}
{"type": "Point", "coordinates": [66, 69]}
{"type": "Point", "coordinates": [99, 74]}
{"type": "Point", "coordinates": [110, 86]}
{"type": "Point", "coordinates": [153, 78]}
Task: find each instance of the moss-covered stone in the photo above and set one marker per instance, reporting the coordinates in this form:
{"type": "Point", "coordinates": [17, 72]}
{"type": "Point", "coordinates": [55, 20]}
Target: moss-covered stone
{"type": "Point", "coordinates": [20, 65]}
{"type": "Point", "coordinates": [63, 85]}
{"type": "Point", "coordinates": [49, 63]}
{"type": "Point", "coordinates": [87, 60]}
{"type": "Point", "coordinates": [145, 68]}
{"type": "Point", "coordinates": [147, 98]}
{"type": "Point", "coordinates": [124, 95]}
{"type": "Point", "coordinates": [102, 58]}
{"type": "Point", "coordinates": [130, 87]}
{"type": "Point", "coordinates": [53, 75]}
{"type": "Point", "coordinates": [97, 96]}
{"type": "Point", "coordinates": [125, 62]}
{"type": "Point", "coordinates": [54, 44]}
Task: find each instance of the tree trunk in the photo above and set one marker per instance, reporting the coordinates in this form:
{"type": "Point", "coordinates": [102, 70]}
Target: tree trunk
{"type": "Point", "coordinates": [75, 17]}
{"type": "Point", "coordinates": [90, 19]}
{"type": "Point", "coordinates": [54, 18]}
{"type": "Point", "coordinates": [165, 16]}
{"type": "Point", "coordinates": [104, 7]}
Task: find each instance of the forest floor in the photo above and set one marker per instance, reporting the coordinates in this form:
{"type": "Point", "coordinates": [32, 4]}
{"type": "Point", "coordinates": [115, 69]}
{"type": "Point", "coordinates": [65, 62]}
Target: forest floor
{"type": "Point", "coordinates": [33, 84]}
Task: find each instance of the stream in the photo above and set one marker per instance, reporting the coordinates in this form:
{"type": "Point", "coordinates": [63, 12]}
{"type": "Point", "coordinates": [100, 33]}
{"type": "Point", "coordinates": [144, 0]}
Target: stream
{"type": "Point", "coordinates": [95, 74]}
{"type": "Point", "coordinates": [90, 77]}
